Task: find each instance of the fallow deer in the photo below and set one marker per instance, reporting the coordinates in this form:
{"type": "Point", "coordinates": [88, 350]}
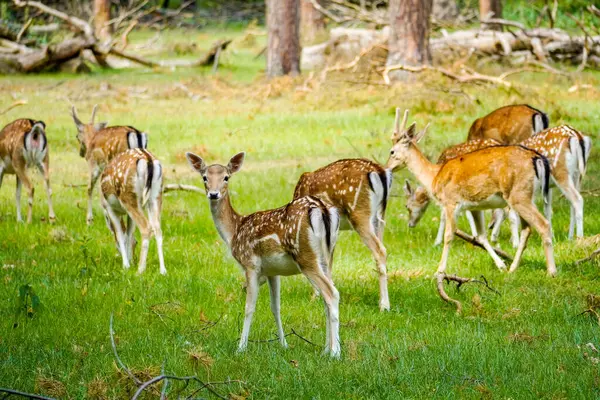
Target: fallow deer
{"type": "Point", "coordinates": [297, 238]}
{"type": "Point", "coordinates": [509, 124]}
{"type": "Point", "coordinates": [485, 179]}
{"type": "Point", "coordinates": [131, 186]}
{"type": "Point", "coordinates": [359, 189]}
{"type": "Point", "coordinates": [417, 200]}
{"type": "Point", "coordinates": [23, 144]}
{"type": "Point", "coordinates": [99, 144]}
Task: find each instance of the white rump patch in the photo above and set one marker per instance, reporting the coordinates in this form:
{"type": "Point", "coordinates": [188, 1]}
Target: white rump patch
{"type": "Point", "coordinates": [538, 123]}
{"type": "Point", "coordinates": [144, 137]}
{"type": "Point", "coordinates": [156, 185]}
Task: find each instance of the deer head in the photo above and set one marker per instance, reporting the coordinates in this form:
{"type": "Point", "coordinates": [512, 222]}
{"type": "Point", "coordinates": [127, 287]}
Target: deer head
{"type": "Point", "coordinates": [86, 131]}
{"type": "Point", "coordinates": [417, 202]}
{"type": "Point", "coordinates": [402, 139]}
{"type": "Point", "coordinates": [216, 176]}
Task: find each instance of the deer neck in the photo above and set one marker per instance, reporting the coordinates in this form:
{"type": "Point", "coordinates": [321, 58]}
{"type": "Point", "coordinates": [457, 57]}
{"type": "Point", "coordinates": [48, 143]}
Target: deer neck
{"type": "Point", "coordinates": [225, 217]}
{"type": "Point", "coordinates": [423, 169]}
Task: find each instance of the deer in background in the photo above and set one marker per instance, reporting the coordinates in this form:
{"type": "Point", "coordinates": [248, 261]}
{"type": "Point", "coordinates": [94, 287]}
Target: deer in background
{"type": "Point", "coordinates": [23, 144]}
{"type": "Point", "coordinates": [131, 186]}
{"type": "Point", "coordinates": [359, 190]}
{"type": "Point", "coordinates": [297, 238]}
{"type": "Point", "coordinates": [485, 179]}
{"type": "Point", "coordinates": [99, 144]}
{"type": "Point", "coordinates": [509, 124]}
{"type": "Point", "coordinates": [417, 200]}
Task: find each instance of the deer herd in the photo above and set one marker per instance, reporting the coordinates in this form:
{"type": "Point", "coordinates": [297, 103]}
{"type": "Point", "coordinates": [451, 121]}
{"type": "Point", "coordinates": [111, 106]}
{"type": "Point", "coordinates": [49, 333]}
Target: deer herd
{"type": "Point", "coordinates": [510, 156]}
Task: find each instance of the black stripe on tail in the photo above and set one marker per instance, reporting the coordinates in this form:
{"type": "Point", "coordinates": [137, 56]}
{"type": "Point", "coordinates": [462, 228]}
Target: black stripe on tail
{"type": "Point", "coordinates": [583, 149]}
{"type": "Point", "coordinates": [545, 119]}
{"type": "Point", "coordinates": [326, 220]}
{"type": "Point", "coordinates": [150, 168]}
{"type": "Point", "coordinates": [546, 177]}
{"type": "Point", "coordinates": [383, 176]}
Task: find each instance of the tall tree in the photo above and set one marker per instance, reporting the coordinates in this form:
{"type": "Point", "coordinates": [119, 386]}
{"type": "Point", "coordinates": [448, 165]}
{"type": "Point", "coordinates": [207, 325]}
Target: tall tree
{"type": "Point", "coordinates": [312, 21]}
{"type": "Point", "coordinates": [101, 17]}
{"type": "Point", "coordinates": [409, 34]}
{"type": "Point", "coordinates": [491, 9]}
{"type": "Point", "coordinates": [283, 31]}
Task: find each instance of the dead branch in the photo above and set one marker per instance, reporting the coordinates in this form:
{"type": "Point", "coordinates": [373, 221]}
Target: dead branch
{"type": "Point", "coordinates": [204, 385]}
{"type": "Point", "coordinates": [10, 392]}
{"type": "Point", "coordinates": [470, 239]}
{"type": "Point", "coordinates": [13, 105]}
{"type": "Point", "coordinates": [443, 277]}
{"type": "Point", "coordinates": [75, 22]}
{"type": "Point", "coordinates": [177, 186]}
{"type": "Point", "coordinates": [116, 354]}
{"type": "Point", "coordinates": [24, 29]}
{"type": "Point", "coordinates": [591, 311]}
{"type": "Point", "coordinates": [592, 256]}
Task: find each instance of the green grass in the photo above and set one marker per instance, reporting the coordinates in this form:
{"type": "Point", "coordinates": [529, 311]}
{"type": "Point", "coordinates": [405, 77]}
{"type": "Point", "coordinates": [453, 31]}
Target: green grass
{"type": "Point", "coordinates": [528, 342]}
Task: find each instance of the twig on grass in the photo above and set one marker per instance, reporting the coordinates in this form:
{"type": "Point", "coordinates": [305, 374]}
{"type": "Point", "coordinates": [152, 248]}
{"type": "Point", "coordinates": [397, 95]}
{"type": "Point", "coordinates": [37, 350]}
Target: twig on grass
{"type": "Point", "coordinates": [13, 105]}
{"type": "Point", "coordinates": [594, 254]}
{"type": "Point", "coordinates": [292, 333]}
{"type": "Point", "coordinates": [10, 392]}
{"type": "Point", "coordinates": [592, 312]}
{"type": "Point", "coordinates": [443, 277]}
{"type": "Point", "coordinates": [177, 186]}
{"type": "Point", "coordinates": [470, 239]}
{"type": "Point", "coordinates": [205, 385]}
{"type": "Point", "coordinates": [116, 354]}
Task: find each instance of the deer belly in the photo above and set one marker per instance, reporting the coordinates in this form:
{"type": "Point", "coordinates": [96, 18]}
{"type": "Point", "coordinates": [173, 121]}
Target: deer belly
{"type": "Point", "coordinates": [494, 201]}
{"type": "Point", "coordinates": [115, 205]}
{"type": "Point", "coordinates": [279, 264]}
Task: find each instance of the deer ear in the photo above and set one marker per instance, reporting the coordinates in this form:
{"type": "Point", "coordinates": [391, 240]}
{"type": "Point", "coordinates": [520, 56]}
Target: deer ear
{"type": "Point", "coordinates": [196, 162]}
{"type": "Point", "coordinates": [235, 164]}
{"type": "Point", "coordinates": [100, 125]}
{"type": "Point", "coordinates": [411, 131]}
{"type": "Point", "coordinates": [407, 189]}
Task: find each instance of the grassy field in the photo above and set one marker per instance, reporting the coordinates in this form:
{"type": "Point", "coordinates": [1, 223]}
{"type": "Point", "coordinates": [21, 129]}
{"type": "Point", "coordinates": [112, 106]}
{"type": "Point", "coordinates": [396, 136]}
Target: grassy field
{"type": "Point", "coordinates": [527, 342]}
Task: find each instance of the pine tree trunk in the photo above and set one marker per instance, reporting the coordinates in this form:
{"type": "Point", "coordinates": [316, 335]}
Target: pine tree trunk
{"type": "Point", "coordinates": [312, 20]}
{"type": "Point", "coordinates": [493, 8]}
{"type": "Point", "coordinates": [101, 17]}
{"type": "Point", "coordinates": [283, 48]}
{"type": "Point", "coordinates": [409, 34]}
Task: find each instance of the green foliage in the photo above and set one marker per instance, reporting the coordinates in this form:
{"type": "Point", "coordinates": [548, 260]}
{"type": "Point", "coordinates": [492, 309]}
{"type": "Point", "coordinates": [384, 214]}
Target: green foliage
{"type": "Point", "coordinates": [28, 302]}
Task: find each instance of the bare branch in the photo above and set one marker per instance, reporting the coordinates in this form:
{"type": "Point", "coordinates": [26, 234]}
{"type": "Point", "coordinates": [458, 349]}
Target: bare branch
{"type": "Point", "coordinates": [442, 277]}
{"type": "Point", "coordinates": [80, 24]}
{"type": "Point", "coordinates": [470, 239]}
{"type": "Point", "coordinates": [13, 105]}
{"type": "Point", "coordinates": [114, 347]}
{"type": "Point", "coordinates": [177, 186]}
{"type": "Point", "coordinates": [208, 385]}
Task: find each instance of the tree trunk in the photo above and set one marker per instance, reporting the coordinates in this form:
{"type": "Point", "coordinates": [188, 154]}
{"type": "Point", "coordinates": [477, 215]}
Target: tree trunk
{"type": "Point", "coordinates": [312, 20]}
{"type": "Point", "coordinates": [101, 17]}
{"type": "Point", "coordinates": [409, 34]}
{"type": "Point", "coordinates": [283, 26]}
{"type": "Point", "coordinates": [491, 9]}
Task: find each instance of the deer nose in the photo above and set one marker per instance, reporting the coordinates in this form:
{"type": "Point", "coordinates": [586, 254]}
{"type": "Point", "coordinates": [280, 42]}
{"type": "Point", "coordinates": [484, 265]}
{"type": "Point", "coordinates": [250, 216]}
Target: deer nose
{"type": "Point", "coordinates": [213, 195]}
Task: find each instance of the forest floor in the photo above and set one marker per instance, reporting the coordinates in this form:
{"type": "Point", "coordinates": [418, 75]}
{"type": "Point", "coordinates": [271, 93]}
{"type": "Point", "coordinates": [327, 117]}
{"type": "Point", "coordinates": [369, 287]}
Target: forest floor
{"type": "Point", "coordinates": [528, 341]}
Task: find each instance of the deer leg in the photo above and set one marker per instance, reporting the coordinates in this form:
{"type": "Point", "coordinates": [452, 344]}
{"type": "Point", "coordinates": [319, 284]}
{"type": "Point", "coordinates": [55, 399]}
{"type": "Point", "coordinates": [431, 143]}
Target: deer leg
{"type": "Point", "coordinates": [331, 298]}
{"type": "Point", "coordinates": [548, 210]}
{"type": "Point", "coordinates": [530, 214]}
{"type": "Point", "coordinates": [130, 238]}
{"type": "Point", "coordinates": [479, 220]}
{"type": "Point", "coordinates": [450, 228]}
{"type": "Point", "coordinates": [515, 225]}
{"type": "Point", "coordinates": [43, 167]}
{"type": "Point", "coordinates": [274, 290]}
{"type": "Point", "coordinates": [525, 233]}
{"type": "Point", "coordinates": [251, 297]}
{"type": "Point", "coordinates": [154, 218]}
{"type": "Point", "coordinates": [498, 216]}
{"type": "Point", "coordinates": [576, 200]}
{"type": "Point", "coordinates": [22, 179]}
{"type": "Point", "coordinates": [439, 239]}
{"type": "Point", "coordinates": [1, 174]}
{"type": "Point", "coordinates": [118, 231]}
{"type": "Point", "coordinates": [369, 237]}
{"type": "Point", "coordinates": [94, 175]}
{"type": "Point", "coordinates": [472, 222]}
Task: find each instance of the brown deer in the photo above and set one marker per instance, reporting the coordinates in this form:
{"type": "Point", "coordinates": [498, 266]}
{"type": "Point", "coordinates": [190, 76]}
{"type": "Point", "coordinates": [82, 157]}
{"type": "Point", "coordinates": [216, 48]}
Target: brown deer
{"type": "Point", "coordinates": [23, 144]}
{"type": "Point", "coordinates": [509, 124]}
{"type": "Point", "coordinates": [359, 189]}
{"type": "Point", "coordinates": [99, 144]}
{"type": "Point", "coordinates": [485, 179]}
{"type": "Point", "coordinates": [131, 186]}
{"type": "Point", "coordinates": [417, 200]}
{"type": "Point", "coordinates": [297, 238]}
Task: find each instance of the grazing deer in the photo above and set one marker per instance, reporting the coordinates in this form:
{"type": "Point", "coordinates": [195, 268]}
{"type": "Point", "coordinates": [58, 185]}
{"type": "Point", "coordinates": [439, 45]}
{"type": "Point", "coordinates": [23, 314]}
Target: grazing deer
{"type": "Point", "coordinates": [417, 200]}
{"type": "Point", "coordinates": [485, 179]}
{"type": "Point", "coordinates": [358, 188]}
{"type": "Point", "coordinates": [509, 124]}
{"type": "Point", "coordinates": [131, 186]}
{"type": "Point", "coordinates": [99, 144]}
{"type": "Point", "coordinates": [23, 144]}
{"type": "Point", "coordinates": [297, 238]}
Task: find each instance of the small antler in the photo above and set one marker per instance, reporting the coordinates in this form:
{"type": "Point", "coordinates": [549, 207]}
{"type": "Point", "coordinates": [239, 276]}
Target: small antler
{"type": "Point", "coordinates": [75, 118]}
{"type": "Point", "coordinates": [94, 114]}
{"type": "Point", "coordinates": [397, 126]}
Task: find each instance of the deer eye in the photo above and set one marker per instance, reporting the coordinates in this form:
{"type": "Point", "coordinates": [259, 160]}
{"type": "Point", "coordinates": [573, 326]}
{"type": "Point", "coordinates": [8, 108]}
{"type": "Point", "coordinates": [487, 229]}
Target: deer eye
{"type": "Point", "coordinates": [392, 152]}
{"type": "Point", "coordinates": [226, 178]}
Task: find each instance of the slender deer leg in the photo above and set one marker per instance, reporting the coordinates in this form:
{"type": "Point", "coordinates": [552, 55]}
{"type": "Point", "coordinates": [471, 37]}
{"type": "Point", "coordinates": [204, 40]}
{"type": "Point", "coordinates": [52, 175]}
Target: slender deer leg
{"type": "Point", "coordinates": [439, 239]}
{"type": "Point", "coordinates": [479, 219]}
{"type": "Point", "coordinates": [18, 200]}
{"type": "Point", "coordinates": [515, 225]}
{"type": "Point", "coordinates": [576, 185]}
{"type": "Point", "coordinates": [548, 210]}
{"type": "Point", "coordinates": [1, 174]}
{"type": "Point", "coordinates": [130, 237]}
{"type": "Point", "coordinates": [450, 228]}
{"type": "Point", "coordinates": [498, 216]}
{"type": "Point", "coordinates": [274, 290]}
{"type": "Point", "coordinates": [118, 230]}
{"type": "Point", "coordinates": [154, 214]}
{"type": "Point", "coordinates": [251, 297]}
{"type": "Point", "coordinates": [331, 297]}
{"type": "Point", "coordinates": [472, 222]}
{"type": "Point", "coordinates": [369, 237]}
{"type": "Point", "coordinates": [24, 180]}
{"type": "Point", "coordinates": [43, 167]}
{"type": "Point", "coordinates": [528, 212]}
{"type": "Point", "coordinates": [94, 175]}
{"type": "Point", "coordinates": [525, 233]}
{"type": "Point", "coordinates": [569, 189]}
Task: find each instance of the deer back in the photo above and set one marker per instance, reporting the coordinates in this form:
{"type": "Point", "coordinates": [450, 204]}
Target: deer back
{"type": "Point", "coordinates": [464, 148]}
{"type": "Point", "coordinates": [509, 124]}
{"type": "Point", "coordinates": [108, 142]}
